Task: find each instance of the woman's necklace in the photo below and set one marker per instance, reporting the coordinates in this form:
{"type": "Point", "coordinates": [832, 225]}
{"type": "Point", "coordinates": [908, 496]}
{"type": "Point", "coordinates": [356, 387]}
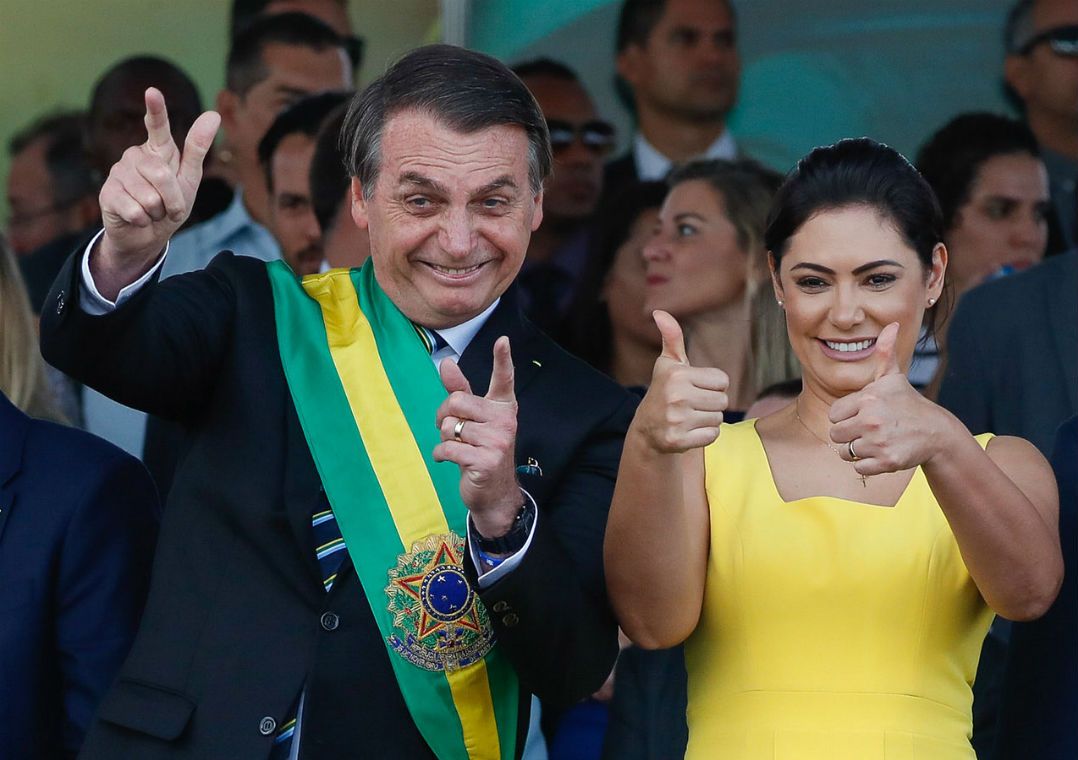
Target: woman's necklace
{"type": "Point", "coordinates": [828, 444]}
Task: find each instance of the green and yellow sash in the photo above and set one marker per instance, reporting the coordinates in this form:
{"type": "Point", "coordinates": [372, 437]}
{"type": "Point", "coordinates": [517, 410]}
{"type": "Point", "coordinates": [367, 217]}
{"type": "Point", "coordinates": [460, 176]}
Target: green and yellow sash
{"type": "Point", "coordinates": [367, 393]}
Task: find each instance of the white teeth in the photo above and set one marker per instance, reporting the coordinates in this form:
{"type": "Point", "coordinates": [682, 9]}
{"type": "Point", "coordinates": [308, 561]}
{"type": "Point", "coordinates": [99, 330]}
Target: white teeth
{"type": "Point", "coordinates": [454, 272]}
{"type": "Point", "coordinates": [859, 345]}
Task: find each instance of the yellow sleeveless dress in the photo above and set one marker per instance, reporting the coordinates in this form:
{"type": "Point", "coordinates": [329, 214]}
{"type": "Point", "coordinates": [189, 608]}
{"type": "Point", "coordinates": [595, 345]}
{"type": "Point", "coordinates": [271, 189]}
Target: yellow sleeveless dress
{"type": "Point", "coordinates": [830, 629]}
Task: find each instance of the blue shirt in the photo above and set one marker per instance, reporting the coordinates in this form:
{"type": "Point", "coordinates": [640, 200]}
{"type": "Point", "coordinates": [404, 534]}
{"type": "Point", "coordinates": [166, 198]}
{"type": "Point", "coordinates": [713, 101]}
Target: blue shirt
{"type": "Point", "coordinates": [231, 230]}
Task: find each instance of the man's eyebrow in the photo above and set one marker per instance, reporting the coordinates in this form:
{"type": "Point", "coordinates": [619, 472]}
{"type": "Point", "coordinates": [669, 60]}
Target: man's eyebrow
{"type": "Point", "coordinates": [503, 181]}
{"type": "Point", "coordinates": [296, 92]}
{"type": "Point", "coordinates": [415, 178]}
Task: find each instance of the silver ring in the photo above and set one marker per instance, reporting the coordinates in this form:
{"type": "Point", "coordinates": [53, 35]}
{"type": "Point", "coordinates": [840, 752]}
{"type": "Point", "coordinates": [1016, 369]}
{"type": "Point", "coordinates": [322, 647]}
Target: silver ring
{"type": "Point", "coordinates": [458, 429]}
{"type": "Point", "coordinates": [853, 454]}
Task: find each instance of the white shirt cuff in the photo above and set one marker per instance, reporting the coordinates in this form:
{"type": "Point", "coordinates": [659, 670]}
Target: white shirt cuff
{"type": "Point", "coordinates": [510, 563]}
{"type": "Point", "coordinates": [90, 299]}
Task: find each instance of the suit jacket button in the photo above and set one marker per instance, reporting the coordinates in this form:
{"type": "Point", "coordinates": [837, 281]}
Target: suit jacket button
{"type": "Point", "coordinates": [510, 620]}
{"type": "Point", "coordinates": [267, 726]}
{"type": "Point", "coordinates": [500, 607]}
{"type": "Point", "coordinates": [330, 621]}
{"type": "Point", "coordinates": [60, 303]}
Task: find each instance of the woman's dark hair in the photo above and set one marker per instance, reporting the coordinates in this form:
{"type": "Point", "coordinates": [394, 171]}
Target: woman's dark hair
{"type": "Point", "coordinates": [586, 329]}
{"type": "Point", "coordinates": [950, 159]}
{"type": "Point", "coordinates": [858, 172]}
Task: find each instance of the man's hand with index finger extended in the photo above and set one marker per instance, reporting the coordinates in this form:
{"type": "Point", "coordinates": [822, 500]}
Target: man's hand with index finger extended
{"type": "Point", "coordinates": [148, 195]}
{"type": "Point", "coordinates": [479, 435]}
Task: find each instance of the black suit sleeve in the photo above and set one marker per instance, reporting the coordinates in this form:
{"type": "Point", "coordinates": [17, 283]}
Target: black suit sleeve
{"type": "Point", "coordinates": [102, 580]}
{"type": "Point", "coordinates": [160, 351]}
{"type": "Point", "coordinates": [551, 614]}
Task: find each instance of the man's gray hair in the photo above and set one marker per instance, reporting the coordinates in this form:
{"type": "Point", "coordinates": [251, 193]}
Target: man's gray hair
{"type": "Point", "coordinates": [462, 89]}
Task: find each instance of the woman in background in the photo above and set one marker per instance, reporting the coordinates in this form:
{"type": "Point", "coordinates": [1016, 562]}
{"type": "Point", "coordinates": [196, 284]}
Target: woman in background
{"type": "Point", "coordinates": [22, 370]}
{"type": "Point", "coordinates": [832, 567]}
{"type": "Point", "coordinates": [992, 188]}
{"type": "Point", "coordinates": [606, 324]}
{"type": "Point", "coordinates": [707, 261]}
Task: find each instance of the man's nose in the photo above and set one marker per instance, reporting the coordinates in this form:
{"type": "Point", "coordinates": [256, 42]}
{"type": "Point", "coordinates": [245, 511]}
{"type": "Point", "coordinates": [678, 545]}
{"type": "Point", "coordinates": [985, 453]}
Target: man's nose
{"type": "Point", "coordinates": [457, 237]}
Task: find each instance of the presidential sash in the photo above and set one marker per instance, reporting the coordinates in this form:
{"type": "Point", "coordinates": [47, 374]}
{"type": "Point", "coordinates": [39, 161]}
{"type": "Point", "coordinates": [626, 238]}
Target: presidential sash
{"type": "Point", "coordinates": [367, 393]}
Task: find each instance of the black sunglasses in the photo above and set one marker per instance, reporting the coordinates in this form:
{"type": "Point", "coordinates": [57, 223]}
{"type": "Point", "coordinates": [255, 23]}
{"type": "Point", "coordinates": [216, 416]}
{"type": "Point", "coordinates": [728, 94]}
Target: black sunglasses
{"type": "Point", "coordinates": [597, 136]}
{"type": "Point", "coordinates": [354, 47]}
{"type": "Point", "coordinates": [1062, 39]}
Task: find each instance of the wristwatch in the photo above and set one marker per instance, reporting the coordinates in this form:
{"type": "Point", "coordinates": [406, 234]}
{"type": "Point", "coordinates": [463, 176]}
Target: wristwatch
{"type": "Point", "coordinates": [514, 540]}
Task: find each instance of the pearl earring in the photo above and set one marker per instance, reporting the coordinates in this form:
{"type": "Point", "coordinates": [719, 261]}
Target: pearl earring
{"type": "Point", "coordinates": [931, 302]}
{"type": "Point", "coordinates": [782, 304]}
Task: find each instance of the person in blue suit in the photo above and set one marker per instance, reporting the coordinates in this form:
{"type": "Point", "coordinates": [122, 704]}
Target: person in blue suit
{"type": "Point", "coordinates": [78, 523]}
{"type": "Point", "coordinates": [1040, 686]}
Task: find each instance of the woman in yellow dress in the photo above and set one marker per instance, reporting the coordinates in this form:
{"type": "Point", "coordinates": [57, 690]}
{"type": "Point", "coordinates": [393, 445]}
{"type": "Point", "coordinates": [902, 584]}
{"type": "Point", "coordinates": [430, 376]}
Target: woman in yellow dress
{"type": "Point", "coordinates": [833, 567]}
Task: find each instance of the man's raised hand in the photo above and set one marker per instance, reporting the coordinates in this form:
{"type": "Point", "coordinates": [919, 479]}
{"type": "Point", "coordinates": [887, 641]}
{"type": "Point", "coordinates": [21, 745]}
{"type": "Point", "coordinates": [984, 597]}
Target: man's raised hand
{"type": "Point", "coordinates": [151, 189]}
{"type": "Point", "coordinates": [684, 405]}
{"type": "Point", "coordinates": [479, 435]}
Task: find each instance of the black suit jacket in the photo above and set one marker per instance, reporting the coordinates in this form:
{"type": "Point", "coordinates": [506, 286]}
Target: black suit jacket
{"type": "Point", "coordinates": [231, 632]}
{"type": "Point", "coordinates": [1012, 366]}
{"type": "Point", "coordinates": [78, 520]}
{"type": "Point", "coordinates": [1039, 711]}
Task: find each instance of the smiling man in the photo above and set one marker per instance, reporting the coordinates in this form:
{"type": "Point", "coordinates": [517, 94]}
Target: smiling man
{"type": "Point", "coordinates": [372, 548]}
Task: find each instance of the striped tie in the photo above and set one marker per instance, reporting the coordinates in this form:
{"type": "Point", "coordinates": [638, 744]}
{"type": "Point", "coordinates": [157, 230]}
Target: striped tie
{"type": "Point", "coordinates": [330, 550]}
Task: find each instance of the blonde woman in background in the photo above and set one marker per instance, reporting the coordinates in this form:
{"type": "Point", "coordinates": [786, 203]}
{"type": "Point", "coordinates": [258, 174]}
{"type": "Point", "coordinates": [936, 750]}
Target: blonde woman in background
{"type": "Point", "coordinates": [22, 370]}
{"type": "Point", "coordinates": [707, 261]}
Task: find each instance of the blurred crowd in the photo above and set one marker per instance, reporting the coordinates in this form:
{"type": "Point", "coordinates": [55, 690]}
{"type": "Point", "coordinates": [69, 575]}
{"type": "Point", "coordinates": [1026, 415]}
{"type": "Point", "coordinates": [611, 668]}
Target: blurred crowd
{"type": "Point", "coordinates": [675, 223]}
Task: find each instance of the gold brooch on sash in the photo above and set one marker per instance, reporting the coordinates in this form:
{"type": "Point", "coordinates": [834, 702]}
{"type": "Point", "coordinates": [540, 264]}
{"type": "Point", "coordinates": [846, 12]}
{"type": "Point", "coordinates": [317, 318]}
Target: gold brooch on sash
{"type": "Point", "coordinates": [441, 625]}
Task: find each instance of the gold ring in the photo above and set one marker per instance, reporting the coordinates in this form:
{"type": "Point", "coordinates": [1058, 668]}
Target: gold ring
{"type": "Point", "coordinates": [458, 429]}
{"type": "Point", "coordinates": [853, 454]}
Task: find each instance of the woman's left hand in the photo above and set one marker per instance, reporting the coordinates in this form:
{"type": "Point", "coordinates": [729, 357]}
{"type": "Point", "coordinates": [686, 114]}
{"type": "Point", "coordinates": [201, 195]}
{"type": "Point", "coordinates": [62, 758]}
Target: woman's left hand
{"type": "Point", "coordinates": [887, 426]}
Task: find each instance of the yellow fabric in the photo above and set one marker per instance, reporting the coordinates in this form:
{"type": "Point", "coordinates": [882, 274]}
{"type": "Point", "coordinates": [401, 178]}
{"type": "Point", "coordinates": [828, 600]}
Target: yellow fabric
{"type": "Point", "coordinates": [830, 629]}
{"type": "Point", "coordinates": [402, 474]}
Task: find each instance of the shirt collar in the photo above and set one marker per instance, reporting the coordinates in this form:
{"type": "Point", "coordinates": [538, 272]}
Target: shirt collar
{"type": "Point", "coordinates": [232, 220]}
{"type": "Point", "coordinates": [459, 336]}
{"type": "Point", "coordinates": [653, 165]}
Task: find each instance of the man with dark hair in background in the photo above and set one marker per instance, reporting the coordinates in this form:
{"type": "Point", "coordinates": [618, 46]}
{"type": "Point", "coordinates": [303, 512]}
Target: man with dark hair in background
{"type": "Point", "coordinates": [114, 121]}
{"type": "Point", "coordinates": [1041, 73]}
{"type": "Point", "coordinates": [52, 197]}
{"type": "Point", "coordinates": [344, 244]}
{"type": "Point", "coordinates": [286, 156]}
{"type": "Point", "coordinates": [580, 141]}
{"type": "Point", "coordinates": [51, 190]}
{"type": "Point", "coordinates": [395, 584]}
{"type": "Point", "coordinates": [679, 63]}
{"type": "Point", "coordinates": [275, 61]}
{"type": "Point", "coordinates": [332, 13]}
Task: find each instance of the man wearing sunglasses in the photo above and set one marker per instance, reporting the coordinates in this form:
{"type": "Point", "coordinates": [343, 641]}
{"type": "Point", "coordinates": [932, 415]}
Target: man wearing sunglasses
{"type": "Point", "coordinates": [580, 142]}
{"type": "Point", "coordinates": [1041, 70]}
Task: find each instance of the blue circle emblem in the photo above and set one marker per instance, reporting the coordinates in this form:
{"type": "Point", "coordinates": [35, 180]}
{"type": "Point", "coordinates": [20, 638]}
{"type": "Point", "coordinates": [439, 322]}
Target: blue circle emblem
{"type": "Point", "coordinates": [446, 594]}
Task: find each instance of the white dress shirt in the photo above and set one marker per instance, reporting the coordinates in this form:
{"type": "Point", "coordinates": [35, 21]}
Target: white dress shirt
{"type": "Point", "coordinates": [653, 165]}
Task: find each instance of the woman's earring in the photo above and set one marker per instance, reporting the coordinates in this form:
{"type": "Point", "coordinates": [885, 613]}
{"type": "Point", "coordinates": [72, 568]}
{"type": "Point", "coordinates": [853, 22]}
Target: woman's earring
{"type": "Point", "coordinates": [782, 304]}
{"type": "Point", "coordinates": [931, 302]}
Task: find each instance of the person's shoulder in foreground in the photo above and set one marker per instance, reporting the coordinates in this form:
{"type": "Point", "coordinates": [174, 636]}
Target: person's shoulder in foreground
{"type": "Point", "coordinates": [78, 523]}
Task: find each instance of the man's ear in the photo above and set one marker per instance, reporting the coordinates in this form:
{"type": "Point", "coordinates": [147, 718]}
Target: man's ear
{"type": "Point", "coordinates": [628, 63]}
{"type": "Point", "coordinates": [537, 215]}
{"type": "Point", "coordinates": [227, 103]}
{"type": "Point", "coordinates": [1016, 73]}
{"type": "Point", "coordinates": [358, 204]}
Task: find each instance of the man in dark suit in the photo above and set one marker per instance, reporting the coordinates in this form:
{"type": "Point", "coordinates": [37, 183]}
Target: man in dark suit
{"type": "Point", "coordinates": [1012, 366]}
{"type": "Point", "coordinates": [679, 68]}
{"type": "Point", "coordinates": [78, 521]}
{"type": "Point", "coordinates": [1040, 685]}
{"type": "Point", "coordinates": [244, 631]}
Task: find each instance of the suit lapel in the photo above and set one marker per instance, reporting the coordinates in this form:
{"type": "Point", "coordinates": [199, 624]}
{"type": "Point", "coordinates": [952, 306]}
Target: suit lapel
{"type": "Point", "coordinates": [1063, 321]}
{"type": "Point", "coordinates": [14, 426]}
{"type": "Point", "coordinates": [477, 362]}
